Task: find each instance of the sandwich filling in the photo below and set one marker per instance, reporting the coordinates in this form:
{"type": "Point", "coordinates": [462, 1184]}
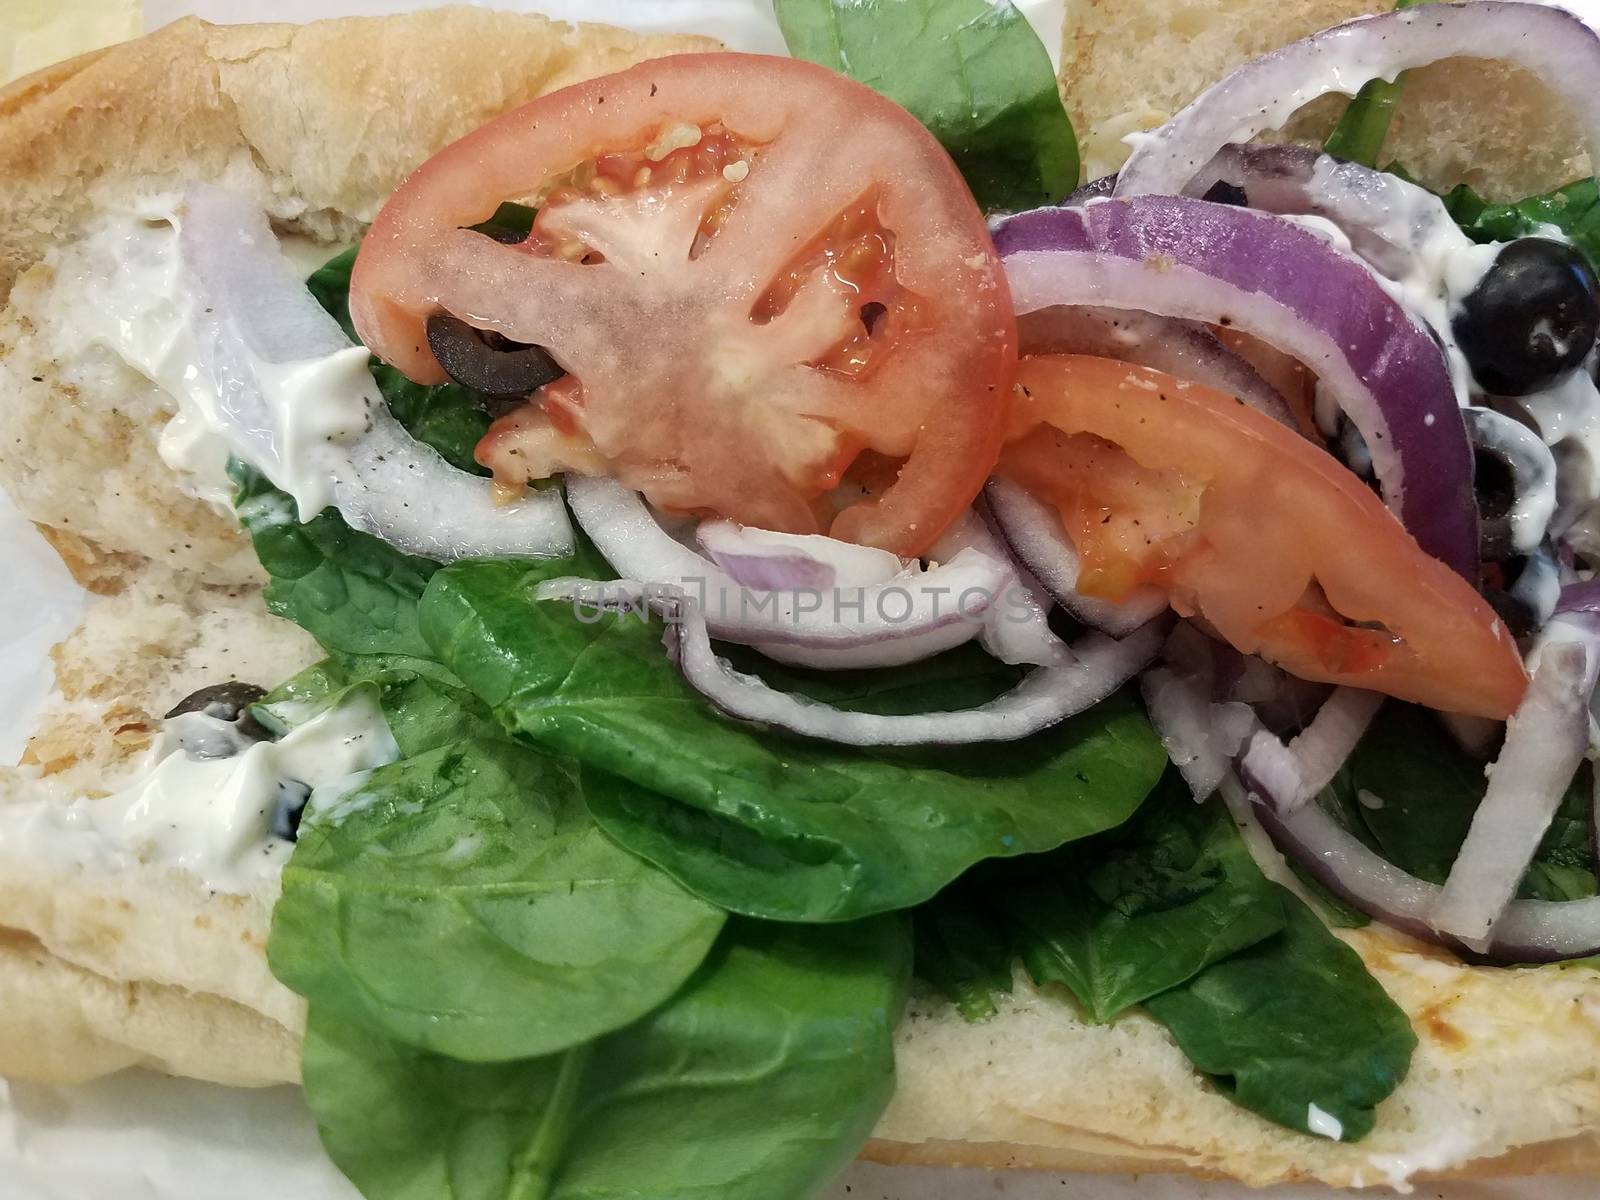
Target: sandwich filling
{"type": "Point", "coordinates": [773, 539]}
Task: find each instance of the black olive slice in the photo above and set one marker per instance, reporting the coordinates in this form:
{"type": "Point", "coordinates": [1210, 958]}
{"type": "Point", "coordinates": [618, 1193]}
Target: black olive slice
{"type": "Point", "coordinates": [486, 362]}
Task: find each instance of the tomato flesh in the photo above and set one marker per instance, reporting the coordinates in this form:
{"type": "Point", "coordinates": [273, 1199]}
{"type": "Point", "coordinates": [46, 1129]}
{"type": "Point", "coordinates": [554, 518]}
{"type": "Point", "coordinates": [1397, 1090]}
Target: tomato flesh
{"type": "Point", "coordinates": [1243, 523]}
{"type": "Point", "coordinates": [753, 270]}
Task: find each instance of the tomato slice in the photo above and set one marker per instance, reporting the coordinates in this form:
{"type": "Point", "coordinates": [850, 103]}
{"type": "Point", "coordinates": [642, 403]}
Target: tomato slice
{"type": "Point", "coordinates": [1265, 536]}
{"type": "Point", "coordinates": [753, 270]}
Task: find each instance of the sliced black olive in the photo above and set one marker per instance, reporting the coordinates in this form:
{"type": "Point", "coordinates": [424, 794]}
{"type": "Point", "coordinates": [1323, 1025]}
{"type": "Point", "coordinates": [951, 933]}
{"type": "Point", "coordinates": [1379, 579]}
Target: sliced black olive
{"type": "Point", "coordinates": [1223, 192]}
{"type": "Point", "coordinates": [487, 362]}
{"type": "Point", "coordinates": [1510, 463]}
{"type": "Point", "coordinates": [289, 808]}
{"type": "Point", "coordinates": [223, 701]}
{"type": "Point", "coordinates": [1529, 594]}
{"type": "Point", "coordinates": [1532, 318]}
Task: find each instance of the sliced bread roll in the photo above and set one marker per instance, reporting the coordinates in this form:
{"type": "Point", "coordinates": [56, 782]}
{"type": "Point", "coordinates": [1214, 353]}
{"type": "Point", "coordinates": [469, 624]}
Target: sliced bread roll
{"type": "Point", "coordinates": [101, 970]}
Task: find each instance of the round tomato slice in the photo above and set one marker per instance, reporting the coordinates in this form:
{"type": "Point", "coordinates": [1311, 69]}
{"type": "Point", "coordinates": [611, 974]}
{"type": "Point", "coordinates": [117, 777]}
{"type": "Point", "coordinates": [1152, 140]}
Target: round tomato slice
{"type": "Point", "coordinates": [753, 270]}
{"type": "Point", "coordinates": [1265, 536]}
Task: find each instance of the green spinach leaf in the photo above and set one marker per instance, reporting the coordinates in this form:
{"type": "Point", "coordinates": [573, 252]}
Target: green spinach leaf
{"type": "Point", "coordinates": [462, 902]}
{"type": "Point", "coordinates": [964, 950]}
{"type": "Point", "coordinates": [1574, 209]}
{"type": "Point", "coordinates": [354, 593]}
{"type": "Point", "coordinates": [974, 73]}
{"type": "Point", "coordinates": [1136, 912]}
{"type": "Point", "coordinates": [759, 1081]}
{"type": "Point", "coordinates": [425, 705]}
{"type": "Point", "coordinates": [450, 418]}
{"type": "Point", "coordinates": [1292, 1022]}
{"type": "Point", "coordinates": [1361, 131]}
{"type": "Point", "coordinates": [752, 821]}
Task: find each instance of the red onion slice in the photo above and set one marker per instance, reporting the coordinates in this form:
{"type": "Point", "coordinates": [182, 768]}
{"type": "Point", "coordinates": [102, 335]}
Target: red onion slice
{"type": "Point", "coordinates": [258, 329]}
{"type": "Point", "coordinates": [1034, 533]}
{"type": "Point", "coordinates": [1555, 45]}
{"type": "Point", "coordinates": [1297, 773]}
{"type": "Point", "coordinates": [768, 561]}
{"type": "Point", "coordinates": [907, 618]}
{"type": "Point", "coordinates": [1285, 286]}
{"type": "Point", "coordinates": [1545, 742]}
{"type": "Point", "coordinates": [1185, 349]}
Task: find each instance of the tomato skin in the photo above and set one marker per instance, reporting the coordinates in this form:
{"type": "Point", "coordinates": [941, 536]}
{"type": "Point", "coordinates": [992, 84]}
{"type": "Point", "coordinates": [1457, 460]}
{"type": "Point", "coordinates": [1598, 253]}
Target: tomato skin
{"type": "Point", "coordinates": [1267, 537]}
{"type": "Point", "coordinates": [691, 389]}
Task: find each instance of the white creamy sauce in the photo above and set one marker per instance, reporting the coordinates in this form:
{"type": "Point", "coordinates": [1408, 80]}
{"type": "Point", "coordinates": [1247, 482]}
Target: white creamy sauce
{"type": "Point", "coordinates": [207, 801]}
{"type": "Point", "coordinates": [124, 288]}
{"type": "Point", "coordinates": [1323, 1124]}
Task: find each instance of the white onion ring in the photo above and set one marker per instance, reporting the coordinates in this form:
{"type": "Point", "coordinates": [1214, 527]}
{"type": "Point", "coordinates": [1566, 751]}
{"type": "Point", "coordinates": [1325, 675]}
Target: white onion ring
{"type": "Point", "coordinates": [945, 606]}
{"type": "Point", "coordinates": [1545, 742]}
{"type": "Point", "coordinates": [1554, 45]}
{"type": "Point", "coordinates": [1039, 543]}
{"type": "Point", "coordinates": [1295, 774]}
{"type": "Point", "coordinates": [1527, 931]}
{"type": "Point", "coordinates": [1201, 737]}
{"type": "Point", "coordinates": [256, 326]}
{"type": "Point", "coordinates": [1018, 630]}
{"type": "Point", "coordinates": [1046, 697]}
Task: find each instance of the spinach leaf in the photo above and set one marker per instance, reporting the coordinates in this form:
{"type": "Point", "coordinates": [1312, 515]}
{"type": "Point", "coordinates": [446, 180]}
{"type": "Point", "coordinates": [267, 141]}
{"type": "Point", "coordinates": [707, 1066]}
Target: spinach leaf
{"type": "Point", "coordinates": [974, 73]}
{"type": "Point", "coordinates": [450, 418]}
{"type": "Point", "coordinates": [753, 821]}
{"type": "Point", "coordinates": [354, 593]}
{"type": "Point", "coordinates": [1136, 912]}
{"type": "Point", "coordinates": [759, 1081]}
{"type": "Point", "coordinates": [463, 902]}
{"type": "Point", "coordinates": [1293, 1021]}
{"type": "Point", "coordinates": [964, 950]}
{"type": "Point", "coordinates": [1361, 131]}
{"type": "Point", "coordinates": [425, 705]}
{"type": "Point", "coordinates": [1574, 209]}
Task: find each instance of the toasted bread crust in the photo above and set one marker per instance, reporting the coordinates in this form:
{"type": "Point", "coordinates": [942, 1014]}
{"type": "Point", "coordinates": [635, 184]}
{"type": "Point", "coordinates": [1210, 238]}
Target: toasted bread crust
{"type": "Point", "coordinates": [319, 122]}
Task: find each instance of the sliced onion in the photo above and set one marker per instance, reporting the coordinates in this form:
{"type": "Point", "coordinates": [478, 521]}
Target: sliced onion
{"type": "Point", "coordinates": [1046, 697]}
{"type": "Point", "coordinates": [768, 561]}
{"type": "Point", "coordinates": [1035, 536]}
{"type": "Point", "coordinates": [1298, 772]}
{"type": "Point", "coordinates": [912, 616]}
{"type": "Point", "coordinates": [1017, 629]}
{"type": "Point", "coordinates": [1285, 286]}
{"type": "Point", "coordinates": [1527, 931]}
{"type": "Point", "coordinates": [1201, 737]}
{"type": "Point", "coordinates": [1185, 349]}
{"type": "Point", "coordinates": [1555, 45]}
{"type": "Point", "coordinates": [1545, 742]}
{"type": "Point", "coordinates": [257, 330]}
{"type": "Point", "coordinates": [1387, 220]}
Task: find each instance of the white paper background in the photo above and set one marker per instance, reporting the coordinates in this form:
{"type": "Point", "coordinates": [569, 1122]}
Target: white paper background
{"type": "Point", "coordinates": [141, 1137]}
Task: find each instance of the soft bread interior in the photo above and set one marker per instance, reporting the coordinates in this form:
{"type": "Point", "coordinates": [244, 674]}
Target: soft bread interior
{"type": "Point", "coordinates": [1128, 65]}
{"type": "Point", "coordinates": [101, 971]}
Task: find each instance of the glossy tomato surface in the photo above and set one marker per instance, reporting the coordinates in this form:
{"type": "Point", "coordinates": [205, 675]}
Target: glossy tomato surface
{"type": "Point", "coordinates": [1262, 534]}
{"type": "Point", "coordinates": [754, 271]}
